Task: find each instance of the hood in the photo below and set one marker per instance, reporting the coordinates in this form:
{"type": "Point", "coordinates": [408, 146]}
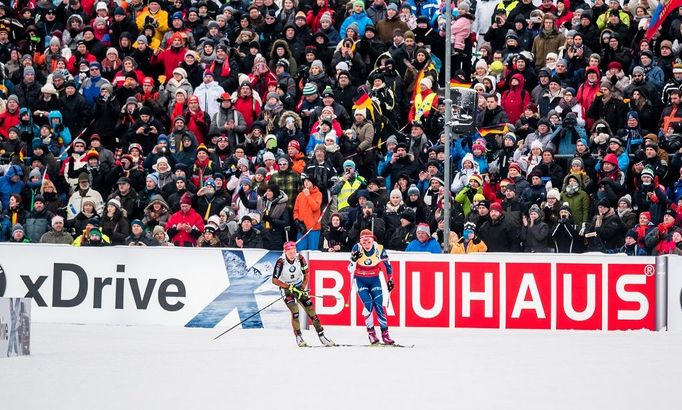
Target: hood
{"type": "Point", "coordinates": [602, 122]}
{"type": "Point", "coordinates": [157, 199]}
{"type": "Point", "coordinates": [593, 70]}
{"type": "Point", "coordinates": [522, 81]}
{"type": "Point", "coordinates": [296, 117]}
{"type": "Point", "coordinates": [25, 110]}
{"type": "Point", "coordinates": [14, 170]}
{"type": "Point", "coordinates": [279, 43]}
{"type": "Point", "coordinates": [469, 157]}
{"type": "Point", "coordinates": [493, 81]}
{"type": "Point", "coordinates": [55, 114]}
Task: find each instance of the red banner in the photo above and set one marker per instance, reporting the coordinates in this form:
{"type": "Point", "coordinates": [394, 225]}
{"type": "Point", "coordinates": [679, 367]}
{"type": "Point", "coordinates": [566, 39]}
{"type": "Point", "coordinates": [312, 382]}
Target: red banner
{"type": "Point", "coordinates": [498, 291]}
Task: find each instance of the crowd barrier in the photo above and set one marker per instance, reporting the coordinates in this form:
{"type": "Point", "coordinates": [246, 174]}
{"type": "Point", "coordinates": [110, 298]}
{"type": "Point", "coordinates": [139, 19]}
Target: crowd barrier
{"type": "Point", "coordinates": [197, 287]}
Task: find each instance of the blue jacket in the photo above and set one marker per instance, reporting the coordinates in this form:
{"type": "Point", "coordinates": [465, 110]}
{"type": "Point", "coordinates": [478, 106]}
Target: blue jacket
{"type": "Point", "coordinates": [63, 132]}
{"type": "Point", "coordinates": [360, 19]}
{"type": "Point", "coordinates": [430, 246]}
{"type": "Point", "coordinates": [7, 187]}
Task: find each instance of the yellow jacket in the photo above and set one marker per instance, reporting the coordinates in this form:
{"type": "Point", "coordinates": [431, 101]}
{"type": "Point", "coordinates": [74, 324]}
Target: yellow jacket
{"type": "Point", "coordinates": [457, 245]}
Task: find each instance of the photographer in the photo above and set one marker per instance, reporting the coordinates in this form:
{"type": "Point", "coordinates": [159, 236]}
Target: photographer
{"type": "Point", "coordinates": [498, 30]}
{"type": "Point", "coordinates": [145, 130]}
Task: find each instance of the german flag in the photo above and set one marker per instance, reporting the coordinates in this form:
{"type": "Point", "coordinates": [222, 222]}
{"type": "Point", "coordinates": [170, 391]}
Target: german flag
{"type": "Point", "coordinates": [455, 83]}
{"type": "Point", "coordinates": [364, 101]}
{"type": "Point", "coordinates": [500, 129]}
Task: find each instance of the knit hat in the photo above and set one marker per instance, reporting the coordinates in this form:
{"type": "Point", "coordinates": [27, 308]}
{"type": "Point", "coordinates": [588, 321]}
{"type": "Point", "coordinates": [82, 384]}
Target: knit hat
{"type": "Point", "coordinates": [349, 164]}
{"type": "Point", "coordinates": [476, 178]}
{"type": "Point", "coordinates": [186, 199]}
{"type": "Point", "coordinates": [632, 233]}
{"type": "Point", "coordinates": [565, 207]}
{"type": "Point", "coordinates": [424, 228]}
{"type": "Point", "coordinates": [534, 208]}
{"type": "Point", "coordinates": [29, 70]}
{"type": "Point", "coordinates": [633, 114]}
{"type": "Point", "coordinates": [554, 193]}
{"type": "Point", "coordinates": [17, 228]}
{"type": "Point", "coordinates": [515, 165]}
{"type": "Point", "coordinates": [56, 219]}
{"type": "Point", "coordinates": [611, 159]}
{"type": "Point", "coordinates": [396, 194]}
{"type": "Point", "coordinates": [84, 177]}
{"type": "Point", "coordinates": [141, 39]}
{"type": "Point", "coordinates": [648, 172]}
{"type": "Point", "coordinates": [295, 144]}
{"type": "Point", "coordinates": [115, 203]}
{"type": "Point", "coordinates": [154, 177]}
{"type": "Point", "coordinates": [413, 190]}
{"type": "Point", "coordinates": [627, 199]}
{"type": "Point", "coordinates": [495, 206]}
{"type": "Point", "coordinates": [243, 162]}
{"type": "Point", "coordinates": [408, 215]}
{"type": "Point", "coordinates": [268, 156]}
{"type": "Point", "coordinates": [245, 180]}
{"type": "Point", "coordinates": [309, 89]}
{"type": "Point", "coordinates": [261, 171]}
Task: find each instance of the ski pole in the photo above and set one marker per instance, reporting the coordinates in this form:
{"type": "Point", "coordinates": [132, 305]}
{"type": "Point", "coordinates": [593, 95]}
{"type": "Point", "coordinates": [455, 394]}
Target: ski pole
{"type": "Point", "coordinates": [266, 306]}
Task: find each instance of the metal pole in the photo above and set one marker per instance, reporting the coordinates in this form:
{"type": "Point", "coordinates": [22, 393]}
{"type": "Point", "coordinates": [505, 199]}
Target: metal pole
{"type": "Point", "coordinates": [448, 124]}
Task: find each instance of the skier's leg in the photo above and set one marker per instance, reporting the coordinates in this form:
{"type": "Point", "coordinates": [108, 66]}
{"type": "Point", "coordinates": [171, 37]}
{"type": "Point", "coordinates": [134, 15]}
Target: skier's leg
{"type": "Point", "coordinates": [378, 302]}
{"type": "Point", "coordinates": [307, 305]}
{"type": "Point", "coordinates": [364, 286]}
{"type": "Point", "coordinates": [293, 307]}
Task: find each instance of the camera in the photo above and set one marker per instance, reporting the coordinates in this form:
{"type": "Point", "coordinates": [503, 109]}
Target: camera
{"type": "Point", "coordinates": [498, 20]}
{"type": "Point", "coordinates": [147, 129]}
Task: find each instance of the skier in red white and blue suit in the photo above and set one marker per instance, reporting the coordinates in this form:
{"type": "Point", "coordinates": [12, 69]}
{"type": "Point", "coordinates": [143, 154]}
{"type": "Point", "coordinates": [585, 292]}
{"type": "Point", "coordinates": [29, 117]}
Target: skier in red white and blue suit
{"type": "Point", "coordinates": [367, 256]}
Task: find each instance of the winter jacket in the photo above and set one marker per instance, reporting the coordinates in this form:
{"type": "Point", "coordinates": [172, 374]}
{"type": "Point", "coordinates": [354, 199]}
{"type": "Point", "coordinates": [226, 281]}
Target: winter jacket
{"type": "Point", "coordinates": [180, 237]}
{"type": "Point", "coordinates": [8, 187]}
{"type": "Point", "coordinates": [430, 246]}
{"type": "Point", "coordinates": [499, 235]}
{"type": "Point", "coordinates": [37, 224]}
{"type": "Point", "coordinates": [546, 43]}
{"type": "Point", "coordinates": [565, 237]}
{"type": "Point", "coordinates": [52, 236]}
{"type": "Point", "coordinates": [308, 208]}
{"type": "Point", "coordinates": [535, 237]}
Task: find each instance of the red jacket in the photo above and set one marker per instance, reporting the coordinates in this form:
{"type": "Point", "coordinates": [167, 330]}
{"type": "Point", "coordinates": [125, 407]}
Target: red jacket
{"type": "Point", "coordinates": [7, 121]}
{"type": "Point", "coordinates": [179, 236]}
{"type": "Point", "coordinates": [170, 60]}
{"type": "Point", "coordinates": [515, 99]}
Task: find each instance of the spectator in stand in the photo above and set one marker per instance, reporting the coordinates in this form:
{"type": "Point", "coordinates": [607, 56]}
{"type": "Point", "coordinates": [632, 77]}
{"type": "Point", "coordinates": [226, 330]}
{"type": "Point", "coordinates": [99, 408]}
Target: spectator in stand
{"type": "Point", "coordinates": [468, 243]}
{"type": "Point", "coordinates": [424, 241]}
{"type": "Point", "coordinates": [185, 226]}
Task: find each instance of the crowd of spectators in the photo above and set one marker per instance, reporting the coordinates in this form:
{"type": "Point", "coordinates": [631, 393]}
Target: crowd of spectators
{"type": "Point", "coordinates": [247, 124]}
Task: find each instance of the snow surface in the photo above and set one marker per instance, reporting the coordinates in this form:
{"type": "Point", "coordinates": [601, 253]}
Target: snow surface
{"type": "Point", "coordinates": [147, 367]}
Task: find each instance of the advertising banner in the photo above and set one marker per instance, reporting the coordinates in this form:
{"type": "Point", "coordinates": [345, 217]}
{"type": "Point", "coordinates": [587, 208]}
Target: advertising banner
{"type": "Point", "coordinates": [500, 291]}
{"type": "Point", "coordinates": [674, 293]}
{"type": "Point", "coordinates": [15, 327]}
{"type": "Point", "coordinates": [135, 286]}
{"type": "Point", "coordinates": [197, 287]}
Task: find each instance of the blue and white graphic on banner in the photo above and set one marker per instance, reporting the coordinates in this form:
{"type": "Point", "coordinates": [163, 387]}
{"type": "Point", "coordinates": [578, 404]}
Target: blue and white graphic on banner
{"type": "Point", "coordinates": [245, 282]}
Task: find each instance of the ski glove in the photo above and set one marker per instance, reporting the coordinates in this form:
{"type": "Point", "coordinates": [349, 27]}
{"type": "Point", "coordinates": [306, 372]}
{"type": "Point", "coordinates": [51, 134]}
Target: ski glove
{"type": "Point", "coordinates": [297, 293]}
{"type": "Point", "coordinates": [390, 285]}
{"type": "Point", "coordinates": [355, 256]}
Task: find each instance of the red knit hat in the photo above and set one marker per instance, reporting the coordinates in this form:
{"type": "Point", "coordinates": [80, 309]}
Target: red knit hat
{"type": "Point", "coordinates": [186, 199]}
{"type": "Point", "coordinates": [611, 159]}
{"type": "Point", "coordinates": [495, 206]}
{"type": "Point", "coordinates": [366, 233]}
{"type": "Point", "coordinates": [295, 144]}
{"type": "Point", "coordinates": [615, 65]}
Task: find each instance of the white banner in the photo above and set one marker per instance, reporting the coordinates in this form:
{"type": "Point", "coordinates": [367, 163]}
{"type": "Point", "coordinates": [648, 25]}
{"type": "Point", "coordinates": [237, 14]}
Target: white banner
{"type": "Point", "coordinates": [133, 286]}
{"type": "Point", "coordinates": [15, 327]}
{"type": "Point", "coordinates": [674, 293]}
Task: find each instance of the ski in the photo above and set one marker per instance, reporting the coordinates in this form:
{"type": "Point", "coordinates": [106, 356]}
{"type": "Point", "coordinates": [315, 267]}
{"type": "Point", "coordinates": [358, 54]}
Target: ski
{"type": "Point", "coordinates": [379, 345]}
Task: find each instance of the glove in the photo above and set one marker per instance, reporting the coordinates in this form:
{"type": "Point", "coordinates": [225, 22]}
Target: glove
{"type": "Point", "coordinates": [390, 285]}
{"type": "Point", "coordinates": [355, 256]}
{"type": "Point", "coordinates": [582, 230]}
{"type": "Point", "coordinates": [298, 293]}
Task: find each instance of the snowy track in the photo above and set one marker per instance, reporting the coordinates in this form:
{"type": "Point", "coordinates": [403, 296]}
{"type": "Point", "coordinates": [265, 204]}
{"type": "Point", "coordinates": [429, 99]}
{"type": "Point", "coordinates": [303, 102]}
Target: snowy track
{"type": "Point", "coordinates": [112, 367]}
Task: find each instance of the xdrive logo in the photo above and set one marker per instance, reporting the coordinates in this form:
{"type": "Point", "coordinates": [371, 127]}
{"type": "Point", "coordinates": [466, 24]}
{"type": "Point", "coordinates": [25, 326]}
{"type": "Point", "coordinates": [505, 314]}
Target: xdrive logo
{"type": "Point", "coordinates": [97, 290]}
{"type": "Point", "coordinates": [3, 281]}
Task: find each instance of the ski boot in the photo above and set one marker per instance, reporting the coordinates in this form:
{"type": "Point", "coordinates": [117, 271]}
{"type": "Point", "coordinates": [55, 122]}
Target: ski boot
{"type": "Point", "coordinates": [386, 338]}
{"type": "Point", "coordinates": [325, 341]}
{"type": "Point", "coordinates": [300, 342]}
{"type": "Point", "coordinates": [373, 339]}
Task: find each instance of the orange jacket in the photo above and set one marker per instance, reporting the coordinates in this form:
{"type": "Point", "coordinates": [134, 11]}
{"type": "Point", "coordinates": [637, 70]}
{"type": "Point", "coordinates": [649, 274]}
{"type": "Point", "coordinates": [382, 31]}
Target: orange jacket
{"type": "Point", "coordinates": [308, 208]}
